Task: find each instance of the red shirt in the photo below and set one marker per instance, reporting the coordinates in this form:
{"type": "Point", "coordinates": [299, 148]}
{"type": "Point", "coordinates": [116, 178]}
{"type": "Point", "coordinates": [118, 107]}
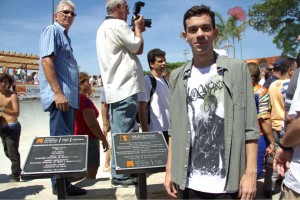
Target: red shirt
{"type": "Point", "coordinates": [80, 127]}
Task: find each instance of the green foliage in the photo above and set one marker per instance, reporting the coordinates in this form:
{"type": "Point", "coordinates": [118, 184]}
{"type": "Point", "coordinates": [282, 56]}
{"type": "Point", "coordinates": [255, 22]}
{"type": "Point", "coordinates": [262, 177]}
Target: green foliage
{"type": "Point", "coordinates": [280, 18]}
{"type": "Point", "coordinates": [172, 66]}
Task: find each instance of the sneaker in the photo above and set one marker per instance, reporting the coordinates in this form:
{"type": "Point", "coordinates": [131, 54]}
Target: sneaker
{"type": "Point", "coordinates": [54, 192]}
{"type": "Point", "coordinates": [123, 183]}
{"type": "Point", "coordinates": [75, 191]}
{"type": "Point", "coordinates": [14, 180]}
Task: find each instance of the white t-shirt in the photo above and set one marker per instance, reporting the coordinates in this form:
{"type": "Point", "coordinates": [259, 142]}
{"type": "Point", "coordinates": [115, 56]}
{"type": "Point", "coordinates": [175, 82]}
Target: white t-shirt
{"type": "Point", "coordinates": [205, 92]}
{"type": "Point", "coordinates": [121, 70]}
{"type": "Point", "coordinates": [292, 176]}
{"type": "Point", "coordinates": [159, 105]}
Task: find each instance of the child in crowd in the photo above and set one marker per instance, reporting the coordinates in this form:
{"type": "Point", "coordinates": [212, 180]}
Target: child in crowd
{"type": "Point", "coordinates": [11, 128]}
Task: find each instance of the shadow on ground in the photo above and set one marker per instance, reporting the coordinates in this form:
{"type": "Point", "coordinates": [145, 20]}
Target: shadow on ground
{"type": "Point", "coordinates": [4, 178]}
{"type": "Point", "coordinates": [20, 192]}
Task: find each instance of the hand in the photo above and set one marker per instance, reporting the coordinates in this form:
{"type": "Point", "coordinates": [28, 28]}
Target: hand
{"type": "Point", "coordinates": [105, 145]}
{"type": "Point", "coordinates": [61, 102]}
{"type": "Point", "coordinates": [169, 185]}
{"type": "Point", "coordinates": [247, 188]}
{"type": "Point", "coordinates": [271, 149]}
{"type": "Point", "coordinates": [140, 23]}
{"type": "Point", "coordinates": [105, 130]}
{"type": "Point", "coordinates": [282, 161]}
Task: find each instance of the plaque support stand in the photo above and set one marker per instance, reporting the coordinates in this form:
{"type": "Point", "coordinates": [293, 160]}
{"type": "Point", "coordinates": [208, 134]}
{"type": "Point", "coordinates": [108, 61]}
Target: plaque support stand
{"type": "Point", "coordinates": [142, 186]}
{"type": "Point", "coordinates": [61, 188]}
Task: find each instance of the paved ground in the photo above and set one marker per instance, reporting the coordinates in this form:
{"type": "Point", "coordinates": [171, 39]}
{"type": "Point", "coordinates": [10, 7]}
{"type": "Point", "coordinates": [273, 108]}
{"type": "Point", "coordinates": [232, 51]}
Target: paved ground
{"type": "Point", "coordinates": [35, 123]}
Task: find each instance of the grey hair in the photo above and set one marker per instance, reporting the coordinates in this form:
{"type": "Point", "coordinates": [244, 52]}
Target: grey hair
{"type": "Point", "coordinates": [111, 4]}
{"type": "Point", "coordinates": [61, 4]}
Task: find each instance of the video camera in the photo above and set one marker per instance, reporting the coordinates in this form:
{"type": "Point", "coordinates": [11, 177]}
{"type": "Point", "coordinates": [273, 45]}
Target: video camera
{"type": "Point", "coordinates": [136, 11]}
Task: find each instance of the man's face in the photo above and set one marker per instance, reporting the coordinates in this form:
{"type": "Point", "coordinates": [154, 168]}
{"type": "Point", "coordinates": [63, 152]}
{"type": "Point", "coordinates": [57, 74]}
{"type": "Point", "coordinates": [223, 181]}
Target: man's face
{"type": "Point", "coordinates": [124, 11]}
{"type": "Point", "coordinates": [159, 64]}
{"type": "Point", "coordinates": [65, 17]}
{"type": "Point", "coordinates": [293, 69]}
{"type": "Point", "coordinates": [200, 34]}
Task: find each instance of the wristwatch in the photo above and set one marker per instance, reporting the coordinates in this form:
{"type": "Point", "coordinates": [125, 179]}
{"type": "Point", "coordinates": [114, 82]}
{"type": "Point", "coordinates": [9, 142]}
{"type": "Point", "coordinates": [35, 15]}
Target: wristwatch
{"type": "Point", "coordinates": [285, 148]}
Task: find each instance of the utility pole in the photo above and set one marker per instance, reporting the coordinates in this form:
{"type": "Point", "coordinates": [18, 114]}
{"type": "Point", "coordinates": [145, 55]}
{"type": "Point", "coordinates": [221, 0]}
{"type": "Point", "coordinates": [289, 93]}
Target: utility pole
{"type": "Point", "coordinates": [185, 53]}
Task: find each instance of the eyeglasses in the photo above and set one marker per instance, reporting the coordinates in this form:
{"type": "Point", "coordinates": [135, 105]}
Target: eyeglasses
{"type": "Point", "coordinates": [66, 12]}
{"type": "Point", "coordinates": [126, 6]}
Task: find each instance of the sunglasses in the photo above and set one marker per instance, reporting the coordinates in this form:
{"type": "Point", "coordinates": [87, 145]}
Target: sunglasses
{"type": "Point", "coordinates": [66, 12]}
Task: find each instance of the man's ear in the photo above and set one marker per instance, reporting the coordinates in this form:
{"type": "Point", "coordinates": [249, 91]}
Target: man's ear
{"type": "Point", "coordinates": [216, 32]}
{"type": "Point", "coordinates": [184, 35]}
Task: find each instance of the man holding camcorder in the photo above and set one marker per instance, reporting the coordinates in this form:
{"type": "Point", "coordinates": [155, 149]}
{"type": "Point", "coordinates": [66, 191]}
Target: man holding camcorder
{"type": "Point", "coordinates": [121, 70]}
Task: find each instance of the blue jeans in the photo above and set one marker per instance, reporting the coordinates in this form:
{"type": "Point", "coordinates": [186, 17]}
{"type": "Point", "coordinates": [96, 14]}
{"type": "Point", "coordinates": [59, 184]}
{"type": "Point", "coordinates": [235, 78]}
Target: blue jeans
{"type": "Point", "coordinates": [123, 115]}
{"type": "Point", "coordinates": [10, 136]}
{"type": "Point", "coordinates": [263, 143]}
{"type": "Point", "coordinates": [61, 123]}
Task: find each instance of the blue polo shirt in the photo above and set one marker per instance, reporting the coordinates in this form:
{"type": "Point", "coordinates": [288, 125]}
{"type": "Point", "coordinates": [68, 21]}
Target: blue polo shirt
{"type": "Point", "coordinates": [55, 40]}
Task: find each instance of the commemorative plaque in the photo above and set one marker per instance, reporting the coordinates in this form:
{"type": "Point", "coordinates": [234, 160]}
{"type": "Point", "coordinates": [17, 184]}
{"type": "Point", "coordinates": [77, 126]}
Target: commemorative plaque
{"type": "Point", "coordinates": [59, 156]}
{"type": "Point", "coordinates": [140, 152]}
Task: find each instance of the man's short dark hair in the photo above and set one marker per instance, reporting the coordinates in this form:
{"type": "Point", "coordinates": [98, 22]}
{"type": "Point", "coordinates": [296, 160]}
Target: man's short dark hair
{"type": "Point", "coordinates": [286, 64]}
{"type": "Point", "coordinates": [152, 54]}
{"type": "Point", "coordinates": [7, 77]}
{"type": "Point", "coordinates": [197, 11]}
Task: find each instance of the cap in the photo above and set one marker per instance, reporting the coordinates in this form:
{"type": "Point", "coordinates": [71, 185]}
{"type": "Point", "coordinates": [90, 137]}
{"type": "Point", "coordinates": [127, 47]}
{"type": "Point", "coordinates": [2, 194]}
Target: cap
{"type": "Point", "coordinates": [278, 62]}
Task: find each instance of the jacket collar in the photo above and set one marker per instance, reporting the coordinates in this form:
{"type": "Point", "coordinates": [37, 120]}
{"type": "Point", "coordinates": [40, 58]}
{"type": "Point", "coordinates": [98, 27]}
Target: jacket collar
{"type": "Point", "coordinates": [220, 61]}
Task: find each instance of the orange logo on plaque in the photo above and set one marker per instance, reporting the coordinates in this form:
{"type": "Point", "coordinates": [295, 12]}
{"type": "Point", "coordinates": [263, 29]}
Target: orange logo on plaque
{"type": "Point", "coordinates": [40, 140]}
{"type": "Point", "coordinates": [130, 163]}
{"type": "Point", "coordinates": [125, 138]}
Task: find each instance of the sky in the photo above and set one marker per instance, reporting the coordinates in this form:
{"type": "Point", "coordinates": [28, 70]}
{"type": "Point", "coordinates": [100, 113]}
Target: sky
{"type": "Point", "coordinates": [22, 22]}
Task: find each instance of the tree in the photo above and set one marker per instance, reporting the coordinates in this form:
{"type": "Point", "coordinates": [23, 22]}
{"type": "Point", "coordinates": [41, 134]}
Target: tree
{"type": "Point", "coordinates": [230, 29]}
{"type": "Point", "coordinates": [280, 18]}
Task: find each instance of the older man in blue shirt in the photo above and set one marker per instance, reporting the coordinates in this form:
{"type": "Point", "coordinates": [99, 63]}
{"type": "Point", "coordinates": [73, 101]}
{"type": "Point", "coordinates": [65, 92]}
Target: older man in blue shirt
{"type": "Point", "coordinates": [59, 78]}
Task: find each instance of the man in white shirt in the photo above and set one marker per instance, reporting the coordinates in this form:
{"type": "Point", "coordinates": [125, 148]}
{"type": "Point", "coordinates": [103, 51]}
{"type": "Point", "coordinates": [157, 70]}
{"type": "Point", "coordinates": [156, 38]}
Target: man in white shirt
{"type": "Point", "coordinates": [154, 109]}
{"type": "Point", "coordinates": [121, 70]}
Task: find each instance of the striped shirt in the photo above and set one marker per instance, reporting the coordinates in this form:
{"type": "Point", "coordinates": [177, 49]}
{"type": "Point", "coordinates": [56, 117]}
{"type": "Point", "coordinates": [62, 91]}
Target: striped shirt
{"type": "Point", "coordinates": [262, 104]}
{"type": "Point", "coordinates": [55, 40]}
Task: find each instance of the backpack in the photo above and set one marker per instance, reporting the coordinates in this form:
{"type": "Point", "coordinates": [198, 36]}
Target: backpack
{"type": "Point", "coordinates": [153, 85]}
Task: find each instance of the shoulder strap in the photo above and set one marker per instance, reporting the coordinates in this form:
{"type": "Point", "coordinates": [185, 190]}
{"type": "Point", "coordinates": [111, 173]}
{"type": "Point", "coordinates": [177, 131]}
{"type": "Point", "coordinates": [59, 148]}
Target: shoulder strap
{"type": "Point", "coordinates": [153, 84]}
{"type": "Point", "coordinates": [166, 81]}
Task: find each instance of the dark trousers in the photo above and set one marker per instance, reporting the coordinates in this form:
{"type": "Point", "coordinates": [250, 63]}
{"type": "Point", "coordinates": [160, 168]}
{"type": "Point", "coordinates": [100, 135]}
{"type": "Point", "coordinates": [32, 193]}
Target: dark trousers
{"type": "Point", "coordinates": [193, 194]}
{"type": "Point", "coordinates": [10, 136]}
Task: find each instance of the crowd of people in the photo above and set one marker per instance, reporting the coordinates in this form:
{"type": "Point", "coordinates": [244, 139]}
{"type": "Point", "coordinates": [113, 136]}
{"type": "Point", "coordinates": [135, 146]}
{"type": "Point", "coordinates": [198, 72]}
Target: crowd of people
{"type": "Point", "coordinates": [21, 75]}
{"type": "Point", "coordinates": [223, 123]}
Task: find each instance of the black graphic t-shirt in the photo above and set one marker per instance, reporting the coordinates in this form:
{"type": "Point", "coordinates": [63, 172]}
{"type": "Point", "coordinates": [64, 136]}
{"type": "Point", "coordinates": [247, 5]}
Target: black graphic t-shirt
{"type": "Point", "coordinates": [206, 114]}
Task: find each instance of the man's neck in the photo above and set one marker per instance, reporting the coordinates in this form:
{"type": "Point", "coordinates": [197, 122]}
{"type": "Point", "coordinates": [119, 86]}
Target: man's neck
{"type": "Point", "coordinates": [205, 60]}
{"type": "Point", "coordinates": [284, 77]}
{"type": "Point", "coordinates": [156, 73]}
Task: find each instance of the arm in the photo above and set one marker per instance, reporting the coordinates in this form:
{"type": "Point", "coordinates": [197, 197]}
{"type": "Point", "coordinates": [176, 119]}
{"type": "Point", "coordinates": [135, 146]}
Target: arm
{"type": "Point", "coordinates": [61, 101]}
{"type": "Point", "coordinates": [105, 118]}
{"type": "Point", "coordinates": [169, 185]}
{"type": "Point", "coordinates": [247, 188]}
{"type": "Point", "coordinates": [143, 116]}
{"type": "Point", "coordinates": [292, 133]}
{"type": "Point", "coordinates": [91, 121]}
{"type": "Point", "coordinates": [266, 125]}
{"type": "Point", "coordinates": [139, 28]}
{"type": "Point", "coordinates": [15, 110]}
